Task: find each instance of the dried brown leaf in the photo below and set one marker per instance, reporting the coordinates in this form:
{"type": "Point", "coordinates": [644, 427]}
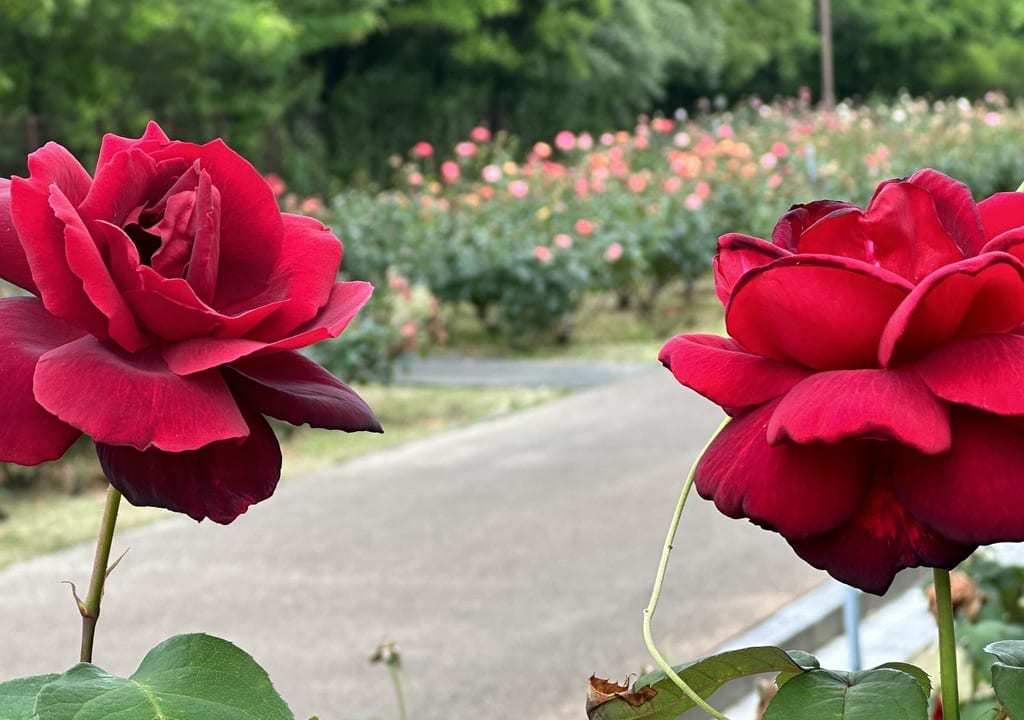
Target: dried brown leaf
{"type": "Point", "coordinates": [601, 691]}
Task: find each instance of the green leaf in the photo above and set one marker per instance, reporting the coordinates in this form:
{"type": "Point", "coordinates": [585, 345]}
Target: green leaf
{"type": "Point", "coordinates": [914, 671]}
{"type": "Point", "coordinates": [18, 697]}
{"type": "Point", "coordinates": [868, 695]}
{"type": "Point", "coordinates": [1008, 674]}
{"type": "Point", "coordinates": [656, 697]}
{"type": "Point", "coordinates": [188, 677]}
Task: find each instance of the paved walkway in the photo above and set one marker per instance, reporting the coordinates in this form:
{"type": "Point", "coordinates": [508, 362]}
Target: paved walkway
{"type": "Point", "coordinates": [509, 560]}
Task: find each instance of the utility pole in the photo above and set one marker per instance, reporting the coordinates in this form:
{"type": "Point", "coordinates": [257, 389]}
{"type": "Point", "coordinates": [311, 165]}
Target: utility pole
{"type": "Point", "coordinates": [828, 92]}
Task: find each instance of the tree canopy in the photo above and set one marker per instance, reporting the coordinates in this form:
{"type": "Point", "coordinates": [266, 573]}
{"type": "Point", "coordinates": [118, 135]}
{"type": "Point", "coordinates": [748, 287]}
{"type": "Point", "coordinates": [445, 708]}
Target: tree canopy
{"type": "Point", "coordinates": [321, 89]}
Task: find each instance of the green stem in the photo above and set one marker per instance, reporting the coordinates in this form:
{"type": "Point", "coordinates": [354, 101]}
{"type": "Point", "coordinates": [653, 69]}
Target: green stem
{"type": "Point", "coordinates": [396, 679]}
{"type": "Point", "coordinates": [659, 580]}
{"type": "Point", "coordinates": [90, 608]}
{"type": "Point", "coordinates": [947, 646]}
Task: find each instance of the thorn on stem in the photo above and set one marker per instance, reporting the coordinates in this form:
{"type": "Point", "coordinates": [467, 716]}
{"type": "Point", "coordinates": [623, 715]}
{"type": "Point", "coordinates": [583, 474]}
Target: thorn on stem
{"type": "Point", "coordinates": [78, 601]}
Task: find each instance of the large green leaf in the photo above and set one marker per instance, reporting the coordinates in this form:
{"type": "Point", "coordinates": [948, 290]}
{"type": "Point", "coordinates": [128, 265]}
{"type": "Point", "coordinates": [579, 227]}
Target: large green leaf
{"type": "Point", "coordinates": [188, 677]}
{"type": "Point", "coordinates": [18, 697]}
{"type": "Point", "coordinates": [656, 697]}
{"type": "Point", "coordinates": [1008, 674]}
{"type": "Point", "coordinates": [868, 695]}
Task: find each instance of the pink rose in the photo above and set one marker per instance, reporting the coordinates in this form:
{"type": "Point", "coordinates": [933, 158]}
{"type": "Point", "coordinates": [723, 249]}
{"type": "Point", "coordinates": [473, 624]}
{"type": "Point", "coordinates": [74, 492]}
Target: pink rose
{"type": "Point", "coordinates": [170, 297]}
{"type": "Point", "coordinates": [449, 171]}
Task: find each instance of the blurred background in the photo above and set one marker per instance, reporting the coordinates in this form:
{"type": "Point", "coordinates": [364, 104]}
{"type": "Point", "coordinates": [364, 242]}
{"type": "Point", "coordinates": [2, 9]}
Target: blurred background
{"type": "Point", "coordinates": [518, 178]}
{"type": "Point", "coordinates": [323, 92]}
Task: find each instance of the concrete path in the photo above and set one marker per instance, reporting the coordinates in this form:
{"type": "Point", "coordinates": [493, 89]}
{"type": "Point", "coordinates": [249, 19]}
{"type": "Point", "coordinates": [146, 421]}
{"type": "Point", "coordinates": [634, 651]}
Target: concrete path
{"type": "Point", "coordinates": [509, 560]}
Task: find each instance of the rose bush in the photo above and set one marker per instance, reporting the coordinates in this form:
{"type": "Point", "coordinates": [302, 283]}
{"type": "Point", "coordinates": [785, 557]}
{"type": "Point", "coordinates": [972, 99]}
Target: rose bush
{"type": "Point", "coordinates": [874, 376]}
{"type": "Point", "coordinates": [170, 297]}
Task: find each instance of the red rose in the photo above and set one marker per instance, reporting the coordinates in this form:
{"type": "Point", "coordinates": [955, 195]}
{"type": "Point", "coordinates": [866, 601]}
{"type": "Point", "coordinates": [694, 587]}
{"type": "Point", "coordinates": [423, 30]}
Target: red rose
{"type": "Point", "coordinates": [874, 377]}
{"type": "Point", "coordinates": [171, 296]}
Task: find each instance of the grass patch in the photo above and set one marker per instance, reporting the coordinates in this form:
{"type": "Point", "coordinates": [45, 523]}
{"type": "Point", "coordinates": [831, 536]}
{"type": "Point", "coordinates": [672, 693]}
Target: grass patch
{"type": "Point", "coordinates": [42, 518]}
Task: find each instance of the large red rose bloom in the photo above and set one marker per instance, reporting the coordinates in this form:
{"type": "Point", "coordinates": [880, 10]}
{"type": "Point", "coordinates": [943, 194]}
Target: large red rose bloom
{"type": "Point", "coordinates": [874, 376]}
{"type": "Point", "coordinates": [170, 297]}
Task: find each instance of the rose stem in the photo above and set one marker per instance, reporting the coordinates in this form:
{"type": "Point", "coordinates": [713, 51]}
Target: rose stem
{"type": "Point", "coordinates": [656, 593]}
{"type": "Point", "coordinates": [947, 646]}
{"type": "Point", "coordinates": [90, 609]}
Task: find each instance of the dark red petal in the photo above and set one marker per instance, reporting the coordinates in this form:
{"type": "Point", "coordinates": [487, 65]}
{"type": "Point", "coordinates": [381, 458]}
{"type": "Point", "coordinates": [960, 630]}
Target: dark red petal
{"type": "Point", "coordinates": [736, 255]}
{"type": "Point", "coordinates": [819, 311]}
{"type": "Point", "coordinates": [85, 259]}
{"type": "Point", "coordinates": [797, 490]}
{"type": "Point", "coordinates": [973, 493]}
{"type": "Point", "coordinates": [976, 296]}
{"type": "Point", "coordinates": [290, 387]}
{"type": "Point", "coordinates": [219, 481]}
{"type": "Point", "coordinates": [169, 308]}
{"type": "Point", "coordinates": [133, 399]}
{"type": "Point", "coordinates": [986, 372]}
{"type": "Point", "coordinates": [306, 276]}
{"type": "Point", "coordinates": [42, 237]}
{"type": "Point", "coordinates": [957, 211]}
{"type": "Point", "coordinates": [52, 164]}
{"type": "Point", "coordinates": [799, 218]}
{"type": "Point", "coordinates": [199, 354]}
{"type": "Point", "coordinates": [128, 182]}
{"type": "Point", "coordinates": [204, 260]}
{"type": "Point", "coordinates": [722, 371]}
{"type": "Point", "coordinates": [841, 233]}
{"type": "Point", "coordinates": [908, 235]}
{"type": "Point", "coordinates": [1002, 215]}
{"type": "Point", "coordinates": [252, 232]}
{"type": "Point", "coordinates": [29, 434]}
{"type": "Point", "coordinates": [13, 263]}
{"type": "Point", "coordinates": [890, 405]}
{"type": "Point", "coordinates": [113, 144]}
{"type": "Point", "coordinates": [879, 541]}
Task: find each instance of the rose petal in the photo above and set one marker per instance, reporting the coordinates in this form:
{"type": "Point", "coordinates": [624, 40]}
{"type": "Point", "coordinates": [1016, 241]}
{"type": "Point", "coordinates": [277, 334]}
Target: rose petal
{"type": "Point", "coordinates": [737, 254]}
{"type": "Point", "coordinates": [218, 481]}
{"type": "Point", "coordinates": [797, 490]}
{"type": "Point", "coordinates": [305, 278]}
{"type": "Point", "coordinates": [85, 260]}
{"type": "Point", "coordinates": [985, 372]}
{"type": "Point", "coordinates": [13, 263]}
{"type": "Point", "coordinates": [190, 356]}
{"type": "Point", "coordinates": [42, 237]}
{"type": "Point", "coordinates": [908, 235]}
{"type": "Point", "coordinates": [722, 371]}
{"type": "Point", "coordinates": [976, 296]}
{"type": "Point", "coordinates": [170, 309]}
{"type": "Point", "coordinates": [1002, 215]}
{"type": "Point", "coordinates": [879, 541]}
{"type": "Point", "coordinates": [973, 493]}
{"type": "Point", "coordinates": [842, 233]}
{"type": "Point", "coordinates": [823, 312]}
{"type": "Point", "coordinates": [113, 144]}
{"type": "Point", "coordinates": [290, 387]}
{"type": "Point", "coordinates": [29, 434]}
{"type": "Point", "coordinates": [798, 219]}
{"type": "Point", "coordinates": [129, 181]}
{"type": "Point", "coordinates": [52, 164]}
{"type": "Point", "coordinates": [133, 399]}
{"type": "Point", "coordinates": [956, 209]}
{"type": "Point", "coordinates": [890, 405]}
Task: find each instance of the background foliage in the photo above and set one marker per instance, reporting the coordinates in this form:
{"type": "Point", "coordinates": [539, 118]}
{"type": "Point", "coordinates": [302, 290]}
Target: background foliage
{"type": "Point", "coordinates": [324, 92]}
